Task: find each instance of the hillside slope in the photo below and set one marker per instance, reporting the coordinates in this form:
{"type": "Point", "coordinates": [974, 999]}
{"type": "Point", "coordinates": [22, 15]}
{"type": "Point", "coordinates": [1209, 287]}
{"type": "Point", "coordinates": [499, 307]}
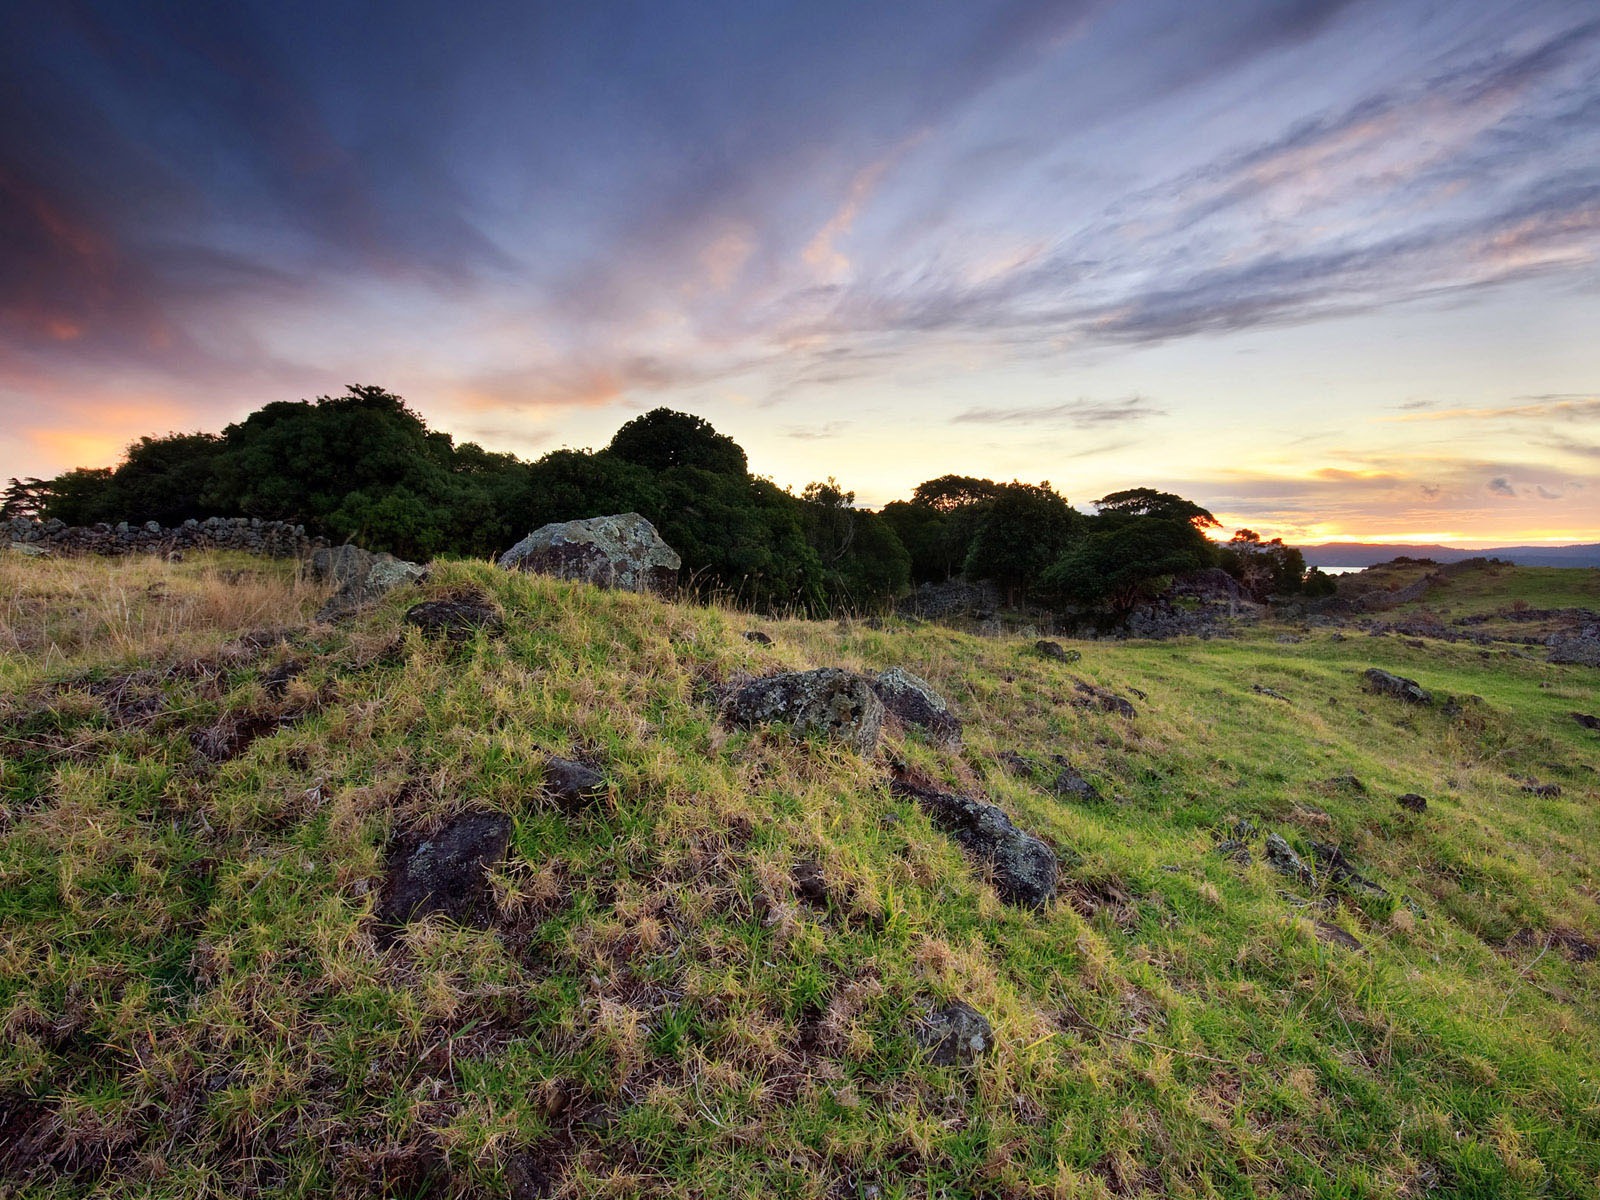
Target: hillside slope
{"type": "Point", "coordinates": [712, 980]}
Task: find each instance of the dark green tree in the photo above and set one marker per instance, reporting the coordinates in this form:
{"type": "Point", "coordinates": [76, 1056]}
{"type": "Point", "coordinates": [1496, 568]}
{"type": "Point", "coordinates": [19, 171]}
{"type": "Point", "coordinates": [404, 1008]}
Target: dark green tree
{"type": "Point", "coordinates": [1117, 564]}
{"type": "Point", "coordinates": [166, 479]}
{"type": "Point", "coordinates": [1022, 531]}
{"type": "Point", "coordinates": [1147, 502]}
{"type": "Point", "coordinates": [663, 440]}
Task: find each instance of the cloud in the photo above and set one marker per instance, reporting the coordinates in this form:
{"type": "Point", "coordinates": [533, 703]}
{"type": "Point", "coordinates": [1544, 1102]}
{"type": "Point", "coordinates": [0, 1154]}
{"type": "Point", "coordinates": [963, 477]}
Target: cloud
{"type": "Point", "coordinates": [815, 433]}
{"type": "Point", "coordinates": [1501, 486]}
{"type": "Point", "coordinates": [1570, 407]}
{"type": "Point", "coordinates": [1074, 413]}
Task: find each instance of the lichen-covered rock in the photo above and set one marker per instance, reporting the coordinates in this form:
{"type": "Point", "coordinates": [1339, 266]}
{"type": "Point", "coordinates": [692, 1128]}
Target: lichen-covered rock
{"type": "Point", "coordinates": [29, 550]}
{"type": "Point", "coordinates": [1397, 686]}
{"type": "Point", "coordinates": [1282, 858]}
{"type": "Point", "coordinates": [366, 579]}
{"type": "Point", "coordinates": [1580, 647]}
{"type": "Point", "coordinates": [1023, 867]}
{"type": "Point", "coordinates": [955, 1034]}
{"type": "Point", "coordinates": [622, 551]}
{"type": "Point", "coordinates": [457, 618]}
{"type": "Point", "coordinates": [445, 872]}
{"type": "Point", "coordinates": [914, 701]}
{"type": "Point", "coordinates": [835, 703]}
{"type": "Point", "coordinates": [339, 564]}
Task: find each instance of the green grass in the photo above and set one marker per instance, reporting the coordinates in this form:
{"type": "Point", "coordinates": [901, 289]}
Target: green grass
{"type": "Point", "coordinates": [194, 1003]}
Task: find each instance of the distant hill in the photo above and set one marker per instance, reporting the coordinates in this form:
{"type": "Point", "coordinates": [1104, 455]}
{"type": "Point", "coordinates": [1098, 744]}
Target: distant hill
{"type": "Point", "coordinates": [1364, 554]}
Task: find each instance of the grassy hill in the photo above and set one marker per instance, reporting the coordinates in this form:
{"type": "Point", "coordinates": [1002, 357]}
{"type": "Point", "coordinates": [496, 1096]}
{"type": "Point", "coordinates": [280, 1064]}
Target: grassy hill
{"type": "Point", "coordinates": [711, 982]}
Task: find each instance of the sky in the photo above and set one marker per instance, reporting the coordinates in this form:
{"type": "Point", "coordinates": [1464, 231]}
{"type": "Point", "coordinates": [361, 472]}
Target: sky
{"type": "Point", "coordinates": [1327, 268]}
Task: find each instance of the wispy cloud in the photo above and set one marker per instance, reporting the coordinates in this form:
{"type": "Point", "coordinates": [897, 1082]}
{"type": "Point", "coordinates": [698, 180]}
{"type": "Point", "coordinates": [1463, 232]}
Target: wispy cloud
{"type": "Point", "coordinates": [1075, 413]}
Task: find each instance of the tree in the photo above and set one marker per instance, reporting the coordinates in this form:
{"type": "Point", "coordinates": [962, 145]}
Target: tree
{"type": "Point", "coordinates": [1263, 568]}
{"type": "Point", "coordinates": [1024, 529]}
{"type": "Point", "coordinates": [864, 564]}
{"type": "Point", "coordinates": [24, 498]}
{"type": "Point", "coordinates": [166, 479]}
{"type": "Point", "coordinates": [1119, 563]}
{"type": "Point", "coordinates": [1147, 502]}
{"type": "Point", "coordinates": [950, 492]}
{"type": "Point", "coordinates": [79, 496]}
{"type": "Point", "coordinates": [662, 440]}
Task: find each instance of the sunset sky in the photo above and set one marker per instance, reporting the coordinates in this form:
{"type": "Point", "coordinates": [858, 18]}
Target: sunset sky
{"type": "Point", "coordinates": [1329, 269]}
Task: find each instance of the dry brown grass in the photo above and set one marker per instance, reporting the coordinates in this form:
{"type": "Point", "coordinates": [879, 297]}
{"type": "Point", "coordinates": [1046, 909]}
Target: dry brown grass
{"type": "Point", "coordinates": [56, 611]}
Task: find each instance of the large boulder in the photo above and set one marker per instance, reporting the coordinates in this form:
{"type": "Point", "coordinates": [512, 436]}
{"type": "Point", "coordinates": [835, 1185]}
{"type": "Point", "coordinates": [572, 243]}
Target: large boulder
{"type": "Point", "coordinates": [914, 701]}
{"type": "Point", "coordinates": [835, 703]}
{"type": "Point", "coordinates": [623, 552]}
{"type": "Point", "coordinates": [1024, 868]}
{"type": "Point", "coordinates": [1397, 686]}
{"type": "Point", "coordinates": [363, 577]}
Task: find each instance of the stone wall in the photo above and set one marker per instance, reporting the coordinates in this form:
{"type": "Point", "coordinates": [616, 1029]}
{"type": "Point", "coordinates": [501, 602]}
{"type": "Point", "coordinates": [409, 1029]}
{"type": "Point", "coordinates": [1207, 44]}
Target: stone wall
{"type": "Point", "coordinates": [277, 539]}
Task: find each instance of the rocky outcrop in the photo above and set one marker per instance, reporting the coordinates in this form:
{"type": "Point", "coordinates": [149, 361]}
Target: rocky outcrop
{"type": "Point", "coordinates": [444, 872]}
{"type": "Point", "coordinates": [954, 1034]}
{"type": "Point", "coordinates": [1023, 867]}
{"type": "Point", "coordinates": [1397, 686]}
{"type": "Point", "coordinates": [364, 577]}
{"type": "Point", "coordinates": [277, 539]}
{"type": "Point", "coordinates": [914, 701]}
{"type": "Point", "coordinates": [952, 598]}
{"type": "Point", "coordinates": [834, 703]}
{"type": "Point", "coordinates": [1282, 858]}
{"type": "Point", "coordinates": [1580, 646]}
{"type": "Point", "coordinates": [457, 618]}
{"type": "Point", "coordinates": [623, 552]}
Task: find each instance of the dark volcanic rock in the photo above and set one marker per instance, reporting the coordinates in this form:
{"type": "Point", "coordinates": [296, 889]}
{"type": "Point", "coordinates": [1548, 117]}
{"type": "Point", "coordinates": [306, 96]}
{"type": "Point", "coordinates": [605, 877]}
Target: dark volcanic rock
{"type": "Point", "coordinates": [809, 883]}
{"type": "Point", "coordinates": [1580, 646]}
{"type": "Point", "coordinates": [1024, 868]}
{"type": "Point", "coordinates": [955, 1034]}
{"type": "Point", "coordinates": [446, 872]}
{"type": "Point", "coordinates": [1335, 936]}
{"type": "Point", "coordinates": [1587, 721]}
{"type": "Point", "coordinates": [1412, 802]}
{"type": "Point", "coordinates": [1282, 858]}
{"type": "Point", "coordinates": [1340, 870]}
{"type": "Point", "coordinates": [914, 701]}
{"type": "Point", "coordinates": [1547, 791]}
{"type": "Point", "coordinates": [573, 785]}
{"type": "Point", "coordinates": [1070, 785]}
{"type": "Point", "coordinates": [1056, 651]}
{"type": "Point", "coordinates": [1107, 701]}
{"type": "Point", "coordinates": [836, 703]}
{"type": "Point", "coordinates": [622, 551]}
{"type": "Point", "coordinates": [1397, 686]}
{"type": "Point", "coordinates": [457, 618]}
{"type": "Point", "coordinates": [759, 638]}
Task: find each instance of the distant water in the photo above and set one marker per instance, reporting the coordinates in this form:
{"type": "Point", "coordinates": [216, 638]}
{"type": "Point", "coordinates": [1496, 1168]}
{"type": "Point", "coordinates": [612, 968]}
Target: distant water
{"type": "Point", "coordinates": [1340, 570]}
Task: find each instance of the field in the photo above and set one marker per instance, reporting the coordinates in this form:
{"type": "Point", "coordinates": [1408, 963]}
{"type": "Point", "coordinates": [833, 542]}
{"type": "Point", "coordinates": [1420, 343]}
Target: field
{"type": "Point", "coordinates": [200, 789]}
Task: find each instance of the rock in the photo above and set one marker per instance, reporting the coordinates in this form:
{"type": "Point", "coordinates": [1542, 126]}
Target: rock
{"type": "Point", "coordinates": [1547, 791]}
{"type": "Point", "coordinates": [1340, 870]}
{"type": "Point", "coordinates": [1580, 647]}
{"type": "Point", "coordinates": [1587, 721]}
{"type": "Point", "coordinates": [446, 873]}
{"type": "Point", "coordinates": [1056, 651]}
{"type": "Point", "coordinates": [759, 638]}
{"type": "Point", "coordinates": [1107, 701]}
{"type": "Point", "coordinates": [622, 551]}
{"type": "Point", "coordinates": [1015, 763]}
{"type": "Point", "coordinates": [1070, 785]}
{"type": "Point", "coordinates": [809, 883]}
{"type": "Point", "coordinates": [952, 598]}
{"type": "Point", "coordinates": [1345, 783]}
{"type": "Point", "coordinates": [1412, 802]}
{"type": "Point", "coordinates": [457, 618]}
{"type": "Point", "coordinates": [1327, 932]}
{"type": "Point", "coordinates": [1282, 858]}
{"type": "Point", "coordinates": [1266, 691]}
{"type": "Point", "coordinates": [835, 703]}
{"type": "Point", "coordinates": [29, 550]}
{"type": "Point", "coordinates": [1024, 868]}
{"type": "Point", "coordinates": [955, 1034]}
{"type": "Point", "coordinates": [915, 702]}
{"type": "Point", "coordinates": [1236, 850]}
{"type": "Point", "coordinates": [1397, 686]}
{"type": "Point", "coordinates": [365, 577]}
{"type": "Point", "coordinates": [573, 785]}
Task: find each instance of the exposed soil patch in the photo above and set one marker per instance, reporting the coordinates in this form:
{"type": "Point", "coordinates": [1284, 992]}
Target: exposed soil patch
{"type": "Point", "coordinates": [458, 617]}
{"type": "Point", "coordinates": [1569, 942]}
{"type": "Point", "coordinates": [233, 733]}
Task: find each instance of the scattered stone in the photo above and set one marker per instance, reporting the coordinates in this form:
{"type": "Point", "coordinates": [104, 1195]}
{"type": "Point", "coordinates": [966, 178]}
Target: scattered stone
{"type": "Point", "coordinates": [457, 618]}
{"type": "Point", "coordinates": [1024, 868]}
{"type": "Point", "coordinates": [446, 873]}
{"type": "Point", "coordinates": [1345, 783]}
{"type": "Point", "coordinates": [955, 1034]}
{"type": "Point", "coordinates": [1282, 858]}
{"type": "Point", "coordinates": [364, 578]}
{"type": "Point", "coordinates": [572, 785]}
{"type": "Point", "coordinates": [1266, 691]}
{"type": "Point", "coordinates": [1056, 651]}
{"type": "Point", "coordinates": [1412, 802]}
{"type": "Point", "coordinates": [1570, 942]}
{"type": "Point", "coordinates": [1340, 870]}
{"type": "Point", "coordinates": [1070, 785]}
{"type": "Point", "coordinates": [1244, 828]}
{"type": "Point", "coordinates": [809, 883]}
{"type": "Point", "coordinates": [1547, 791]}
{"type": "Point", "coordinates": [1332, 934]}
{"type": "Point", "coordinates": [1107, 701]}
{"type": "Point", "coordinates": [1236, 850]}
{"type": "Point", "coordinates": [759, 638]}
{"type": "Point", "coordinates": [1015, 763]}
{"type": "Point", "coordinates": [28, 550]}
{"type": "Point", "coordinates": [1397, 686]}
{"type": "Point", "coordinates": [952, 598]}
{"type": "Point", "coordinates": [1414, 908]}
{"type": "Point", "coordinates": [1580, 647]}
{"type": "Point", "coordinates": [836, 703]}
{"type": "Point", "coordinates": [915, 702]}
{"type": "Point", "coordinates": [1587, 721]}
{"type": "Point", "coordinates": [622, 551]}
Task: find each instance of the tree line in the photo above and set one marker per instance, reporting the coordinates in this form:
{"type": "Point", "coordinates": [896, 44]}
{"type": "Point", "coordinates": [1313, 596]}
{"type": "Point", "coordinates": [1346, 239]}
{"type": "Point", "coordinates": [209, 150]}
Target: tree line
{"type": "Point", "coordinates": [365, 467]}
